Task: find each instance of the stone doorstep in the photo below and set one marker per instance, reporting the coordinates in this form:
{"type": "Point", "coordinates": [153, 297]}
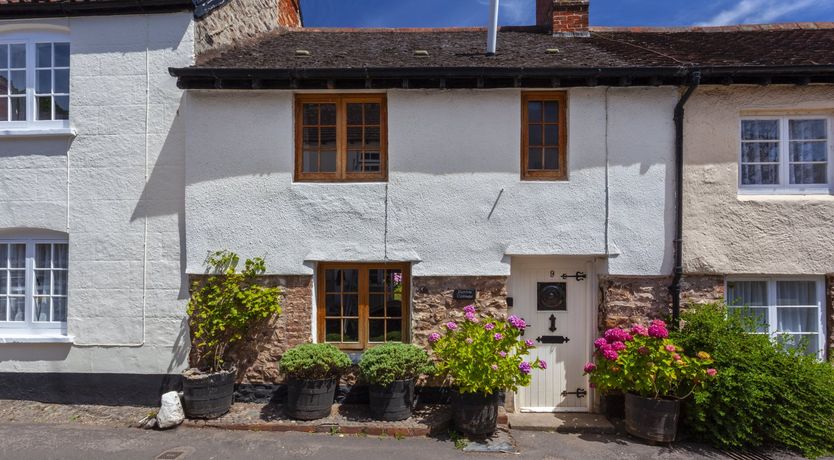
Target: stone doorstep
{"type": "Point", "coordinates": [562, 422]}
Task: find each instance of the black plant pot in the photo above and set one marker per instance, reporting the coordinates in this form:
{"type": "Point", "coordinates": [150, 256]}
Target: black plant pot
{"type": "Point", "coordinates": [391, 402]}
{"type": "Point", "coordinates": [310, 399]}
{"type": "Point", "coordinates": [652, 419]}
{"type": "Point", "coordinates": [208, 395]}
{"type": "Point", "coordinates": [475, 414]}
{"type": "Point", "coordinates": [614, 405]}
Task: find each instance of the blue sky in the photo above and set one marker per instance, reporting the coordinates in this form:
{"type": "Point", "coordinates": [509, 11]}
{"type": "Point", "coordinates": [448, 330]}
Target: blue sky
{"type": "Point", "coordinates": [445, 13]}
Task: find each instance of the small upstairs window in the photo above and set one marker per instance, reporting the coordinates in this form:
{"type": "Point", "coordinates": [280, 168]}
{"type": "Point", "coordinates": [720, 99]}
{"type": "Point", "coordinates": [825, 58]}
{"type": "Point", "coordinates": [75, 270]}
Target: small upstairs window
{"type": "Point", "coordinates": [785, 155]}
{"type": "Point", "coordinates": [543, 136]}
{"type": "Point", "coordinates": [34, 81]}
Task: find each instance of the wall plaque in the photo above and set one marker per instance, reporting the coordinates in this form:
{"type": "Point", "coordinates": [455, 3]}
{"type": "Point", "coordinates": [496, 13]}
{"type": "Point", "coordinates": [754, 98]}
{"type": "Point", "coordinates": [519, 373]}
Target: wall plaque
{"type": "Point", "coordinates": [465, 294]}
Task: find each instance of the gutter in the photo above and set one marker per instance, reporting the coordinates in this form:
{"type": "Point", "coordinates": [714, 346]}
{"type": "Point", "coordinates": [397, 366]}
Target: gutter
{"type": "Point", "coordinates": [695, 80]}
{"type": "Point", "coordinates": [92, 8]}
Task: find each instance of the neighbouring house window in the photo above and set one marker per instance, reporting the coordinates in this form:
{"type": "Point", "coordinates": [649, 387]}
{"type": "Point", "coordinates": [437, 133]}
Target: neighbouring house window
{"type": "Point", "coordinates": [785, 155]}
{"type": "Point", "coordinates": [340, 138]}
{"type": "Point", "coordinates": [788, 308]}
{"type": "Point", "coordinates": [361, 305]}
{"type": "Point", "coordinates": [543, 136]}
{"type": "Point", "coordinates": [34, 81]}
{"type": "Point", "coordinates": [33, 285]}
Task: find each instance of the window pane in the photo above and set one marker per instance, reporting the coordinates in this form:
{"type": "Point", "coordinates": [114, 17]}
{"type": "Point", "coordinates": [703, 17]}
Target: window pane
{"type": "Point", "coordinates": [4, 284]}
{"type": "Point", "coordinates": [4, 108]}
{"type": "Point", "coordinates": [17, 282]}
{"type": "Point", "coordinates": [351, 280]}
{"type": "Point", "coordinates": [814, 173]}
{"type": "Point", "coordinates": [760, 174]}
{"type": "Point", "coordinates": [18, 56]}
{"type": "Point", "coordinates": [61, 107]}
{"type": "Point", "coordinates": [394, 330]}
{"type": "Point", "coordinates": [376, 330]}
{"type": "Point", "coordinates": [757, 315]}
{"type": "Point", "coordinates": [351, 330]}
{"type": "Point", "coordinates": [376, 280]}
{"type": "Point", "coordinates": [328, 114]}
{"type": "Point", "coordinates": [42, 282]}
{"type": "Point", "coordinates": [350, 305]}
{"type": "Point", "coordinates": [372, 161]}
{"type": "Point", "coordinates": [43, 53]}
{"type": "Point", "coordinates": [3, 311]}
{"type": "Point", "coordinates": [376, 305]}
{"type": "Point", "coordinates": [333, 305]}
{"type": "Point", "coordinates": [44, 82]}
{"type": "Point", "coordinates": [62, 54]}
{"type": "Point", "coordinates": [395, 308]}
{"type": "Point", "coordinates": [808, 151]}
{"type": "Point", "coordinates": [796, 293]}
{"type": "Point", "coordinates": [18, 81]}
{"type": "Point", "coordinates": [760, 129]}
{"type": "Point", "coordinates": [42, 309]}
{"type": "Point", "coordinates": [551, 111]}
{"type": "Point", "coordinates": [309, 161]}
{"type": "Point", "coordinates": [534, 111]}
{"type": "Point", "coordinates": [17, 256]}
{"type": "Point", "coordinates": [534, 158]}
{"type": "Point", "coordinates": [18, 108]}
{"type": "Point", "coordinates": [354, 114]}
{"type": "Point", "coordinates": [807, 129]}
{"type": "Point", "coordinates": [43, 256]}
{"type": "Point", "coordinates": [59, 309]}
{"type": "Point", "coordinates": [808, 343]}
{"type": "Point", "coordinates": [551, 158]}
{"type": "Point", "coordinates": [760, 152]}
{"type": "Point", "coordinates": [59, 282]}
{"type": "Point", "coordinates": [62, 81]}
{"type": "Point", "coordinates": [333, 330]}
{"type": "Point", "coordinates": [17, 307]}
{"type": "Point", "coordinates": [310, 137]}
{"type": "Point", "coordinates": [354, 137]}
{"type": "Point", "coordinates": [44, 107]}
{"type": "Point", "coordinates": [327, 139]}
{"type": "Point", "coordinates": [797, 319]}
{"type": "Point", "coordinates": [354, 161]}
{"type": "Point", "coordinates": [310, 114]}
{"type": "Point", "coordinates": [4, 255]}
{"type": "Point", "coordinates": [534, 135]}
{"type": "Point", "coordinates": [4, 82]}
{"type": "Point", "coordinates": [747, 293]}
{"type": "Point", "coordinates": [61, 256]}
{"type": "Point", "coordinates": [327, 161]}
{"type": "Point", "coordinates": [372, 138]}
{"type": "Point", "coordinates": [372, 114]}
{"type": "Point", "coordinates": [551, 135]}
{"type": "Point", "coordinates": [4, 56]}
{"type": "Point", "coordinates": [332, 280]}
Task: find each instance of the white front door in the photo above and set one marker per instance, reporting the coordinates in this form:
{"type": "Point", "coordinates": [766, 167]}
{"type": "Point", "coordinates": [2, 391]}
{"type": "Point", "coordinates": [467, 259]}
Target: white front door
{"type": "Point", "coordinates": [556, 303]}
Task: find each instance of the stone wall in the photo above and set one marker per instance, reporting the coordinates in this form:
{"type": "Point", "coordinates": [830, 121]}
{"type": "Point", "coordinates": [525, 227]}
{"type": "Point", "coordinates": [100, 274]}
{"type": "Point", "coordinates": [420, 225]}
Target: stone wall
{"type": "Point", "coordinates": [625, 300]}
{"type": "Point", "coordinates": [257, 357]}
{"type": "Point", "coordinates": [241, 20]}
{"type": "Point", "coordinates": [433, 305]}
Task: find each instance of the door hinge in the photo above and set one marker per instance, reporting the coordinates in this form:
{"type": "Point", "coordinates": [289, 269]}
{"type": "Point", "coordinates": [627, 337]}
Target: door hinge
{"type": "Point", "coordinates": [579, 276]}
{"type": "Point", "coordinates": [552, 339]}
{"type": "Point", "coordinates": [580, 393]}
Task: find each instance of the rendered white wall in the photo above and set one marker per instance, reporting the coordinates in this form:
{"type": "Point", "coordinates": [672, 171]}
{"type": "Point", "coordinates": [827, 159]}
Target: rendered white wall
{"type": "Point", "coordinates": [451, 153]}
{"type": "Point", "coordinates": [117, 189]}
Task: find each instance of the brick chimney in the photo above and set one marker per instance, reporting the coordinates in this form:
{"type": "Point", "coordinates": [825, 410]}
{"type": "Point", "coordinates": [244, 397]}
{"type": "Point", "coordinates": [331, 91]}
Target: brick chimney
{"type": "Point", "coordinates": [567, 18]}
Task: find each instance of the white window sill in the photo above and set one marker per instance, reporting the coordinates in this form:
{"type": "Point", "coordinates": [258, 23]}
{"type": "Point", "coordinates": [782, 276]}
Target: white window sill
{"type": "Point", "coordinates": [37, 132]}
{"type": "Point", "coordinates": [774, 197]}
{"type": "Point", "coordinates": [36, 338]}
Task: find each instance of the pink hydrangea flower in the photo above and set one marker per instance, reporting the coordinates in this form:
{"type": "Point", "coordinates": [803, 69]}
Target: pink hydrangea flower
{"type": "Point", "coordinates": [525, 367]}
{"type": "Point", "coordinates": [609, 353]}
{"type": "Point", "coordinates": [617, 335]}
{"type": "Point", "coordinates": [659, 323]}
{"type": "Point", "coordinates": [502, 354]}
{"type": "Point", "coordinates": [494, 367]}
{"type": "Point", "coordinates": [658, 331]}
{"type": "Point", "coordinates": [529, 342]}
{"type": "Point", "coordinates": [469, 340]}
{"type": "Point", "coordinates": [600, 342]}
{"type": "Point", "coordinates": [397, 278]}
{"type": "Point", "coordinates": [638, 329]}
{"type": "Point", "coordinates": [676, 357]}
{"type": "Point", "coordinates": [670, 348]}
{"type": "Point", "coordinates": [498, 336]}
{"type": "Point", "coordinates": [451, 325]}
{"type": "Point", "coordinates": [592, 385]}
{"type": "Point", "coordinates": [434, 337]}
{"type": "Point", "coordinates": [469, 309]}
{"type": "Point", "coordinates": [517, 322]}
{"type": "Point", "coordinates": [542, 364]}
{"type": "Point", "coordinates": [618, 346]}
{"type": "Point", "coordinates": [711, 372]}
{"type": "Point", "coordinates": [470, 316]}
{"type": "Point", "coordinates": [590, 367]}
{"type": "Point", "coordinates": [489, 326]}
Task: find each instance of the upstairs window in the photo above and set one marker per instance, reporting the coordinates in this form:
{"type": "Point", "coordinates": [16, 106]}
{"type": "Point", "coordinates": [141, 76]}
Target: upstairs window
{"type": "Point", "coordinates": [785, 155]}
{"type": "Point", "coordinates": [340, 138]}
{"type": "Point", "coordinates": [34, 81]}
{"type": "Point", "coordinates": [543, 136]}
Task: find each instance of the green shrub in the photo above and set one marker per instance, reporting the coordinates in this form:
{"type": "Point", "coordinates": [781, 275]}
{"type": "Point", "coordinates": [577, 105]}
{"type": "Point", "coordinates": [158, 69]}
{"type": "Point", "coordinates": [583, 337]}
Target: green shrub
{"type": "Point", "coordinates": [764, 393]}
{"type": "Point", "coordinates": [225, 304]}
{"type": "Point", "coordinates": [314, 361]}
{"type": "Point", "coordinates": [387, 363]}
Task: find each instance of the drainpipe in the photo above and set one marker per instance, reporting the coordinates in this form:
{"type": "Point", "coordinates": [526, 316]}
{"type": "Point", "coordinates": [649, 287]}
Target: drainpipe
{"type": "Point", "coordinates": [695, 80]}
{"type": "Point", "coordinates": [492, 28]}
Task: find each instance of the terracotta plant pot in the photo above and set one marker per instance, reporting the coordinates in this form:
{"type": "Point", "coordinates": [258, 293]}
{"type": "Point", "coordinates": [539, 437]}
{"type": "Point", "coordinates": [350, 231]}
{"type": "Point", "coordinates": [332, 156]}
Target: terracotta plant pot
{"type": "Point", "coordinates": [208, 395]}
{"type": "Point", "coordinates": [652, 419]}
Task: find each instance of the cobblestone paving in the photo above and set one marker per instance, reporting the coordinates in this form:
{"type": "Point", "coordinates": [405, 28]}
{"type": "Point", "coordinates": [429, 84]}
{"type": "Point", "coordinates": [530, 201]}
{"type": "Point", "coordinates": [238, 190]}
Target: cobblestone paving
{"type": "Point", "coordinates": [13, 411]}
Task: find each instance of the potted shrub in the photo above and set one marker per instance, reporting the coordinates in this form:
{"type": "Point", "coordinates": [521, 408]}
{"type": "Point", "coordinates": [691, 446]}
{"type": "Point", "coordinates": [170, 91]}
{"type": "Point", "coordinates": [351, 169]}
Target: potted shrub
{"type": "Point", "coordinates": [482, 356]}
{"type": "Point", "coordinates": [390, 370]}
{"type": "Point", "coordinates": [654, 374]}
{"type": "Point", "coordinates": [312, 371]}
{"type": "Point", "coordinates": [224, 305]}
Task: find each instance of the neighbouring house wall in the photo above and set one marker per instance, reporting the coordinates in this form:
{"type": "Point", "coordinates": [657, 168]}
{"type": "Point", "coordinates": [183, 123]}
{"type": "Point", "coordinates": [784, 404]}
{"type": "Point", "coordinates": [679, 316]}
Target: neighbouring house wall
{"type": "Point", "coordinates": [454, 203]}
{"type": "Point", "coordinates": [728, 233]}
{"type": "Point", "coordinates": [243, 19]}
{"type": "Point", "coordinates": [117, 190]}
{"type": "Point", "coordinates": [829, 322]}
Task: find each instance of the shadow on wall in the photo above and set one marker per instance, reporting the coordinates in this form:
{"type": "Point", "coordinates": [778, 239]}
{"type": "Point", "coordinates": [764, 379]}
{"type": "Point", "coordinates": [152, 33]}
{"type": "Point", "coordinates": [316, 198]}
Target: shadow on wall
{"type": "Point", "coordinates": [21, 147]}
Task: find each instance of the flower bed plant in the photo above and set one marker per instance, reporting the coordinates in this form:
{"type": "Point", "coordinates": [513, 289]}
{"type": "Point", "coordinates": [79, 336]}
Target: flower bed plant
{"type": "Point", "coordinates": [384, 364]}
{"type": "Point", "coordinates": [314, 361]}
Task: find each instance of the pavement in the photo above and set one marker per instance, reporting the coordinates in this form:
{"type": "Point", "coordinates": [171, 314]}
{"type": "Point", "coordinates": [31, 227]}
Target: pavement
{"type": "Point", "coordinates": [87, 442]}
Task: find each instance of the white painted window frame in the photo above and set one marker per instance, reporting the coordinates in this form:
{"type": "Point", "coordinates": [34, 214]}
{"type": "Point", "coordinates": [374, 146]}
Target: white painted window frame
{"type": "Point", "coordinates": [784, 187]}
{"type": "Point", "coordinates": [772, 312]}
{"type": "Point", "coordinates": [29, 326]}
{"type": "Point", "coordinates": [31, 39]}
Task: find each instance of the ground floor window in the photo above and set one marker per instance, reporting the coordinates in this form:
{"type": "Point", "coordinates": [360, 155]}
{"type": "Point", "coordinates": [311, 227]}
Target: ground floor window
{"type": "Point", "coordinates": [360, 305]}
{"type": "Point", "coordinates": [33, 285]}
{"type": "Point", "coordinates": [790, 308]}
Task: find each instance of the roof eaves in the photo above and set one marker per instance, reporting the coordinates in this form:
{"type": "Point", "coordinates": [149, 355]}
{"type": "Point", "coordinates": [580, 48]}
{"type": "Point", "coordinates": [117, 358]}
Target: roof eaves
{"type": "Point", "coordinates": [92, 8]}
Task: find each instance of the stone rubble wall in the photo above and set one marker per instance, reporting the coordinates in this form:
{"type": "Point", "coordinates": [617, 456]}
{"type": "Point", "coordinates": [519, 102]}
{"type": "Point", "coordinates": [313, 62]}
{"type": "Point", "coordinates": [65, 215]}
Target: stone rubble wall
{"type": "Point", "coordinates": [241, 20]}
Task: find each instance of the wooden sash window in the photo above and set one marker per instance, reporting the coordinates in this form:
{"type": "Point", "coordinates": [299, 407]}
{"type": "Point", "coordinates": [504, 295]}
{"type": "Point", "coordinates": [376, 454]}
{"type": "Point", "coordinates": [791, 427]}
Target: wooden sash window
{"type": "Point", "coordinates": [543, 136]}
{"type": "Point", "coordinates": [360, 305]}
{"type": "Point", "coordinates": [341, 137]}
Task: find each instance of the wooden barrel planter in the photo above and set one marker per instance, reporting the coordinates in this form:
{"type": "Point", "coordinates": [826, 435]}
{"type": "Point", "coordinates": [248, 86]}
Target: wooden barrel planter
{"type": "Point", "coordinates": [652, 419]}
{"type": "Point", "coordinates": [391, 402]}
{"type": "Point", "coordinates": [475, 414]}
{"type": "Point", "coordinates": [310, 399]}
{"type": "Point", "coordinates": [208, 395]}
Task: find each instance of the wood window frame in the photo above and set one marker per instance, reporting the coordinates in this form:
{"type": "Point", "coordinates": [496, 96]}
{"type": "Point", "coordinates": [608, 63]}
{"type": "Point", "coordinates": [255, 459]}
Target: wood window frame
{"type": "Point", "coordinates": [364, 302]}
{"type": "Point", "coordinates": [554, 174]}
{"type": "Point", "coordinates": [341, 174]}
